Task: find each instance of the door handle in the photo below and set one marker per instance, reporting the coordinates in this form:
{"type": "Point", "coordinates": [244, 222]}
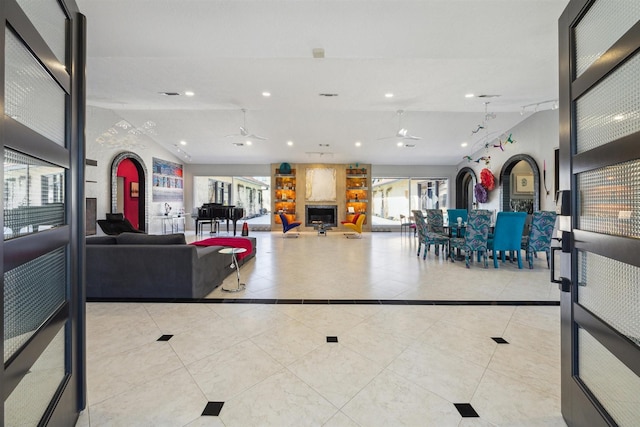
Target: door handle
{"type": "Point", "coordinates": [563, 282]}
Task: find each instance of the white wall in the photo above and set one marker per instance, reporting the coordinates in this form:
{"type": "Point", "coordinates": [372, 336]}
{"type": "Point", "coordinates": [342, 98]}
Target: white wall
{"type": "Point", "coordinates": [100, 121]}
{"type": "Point", "coordinates": [537, 136]}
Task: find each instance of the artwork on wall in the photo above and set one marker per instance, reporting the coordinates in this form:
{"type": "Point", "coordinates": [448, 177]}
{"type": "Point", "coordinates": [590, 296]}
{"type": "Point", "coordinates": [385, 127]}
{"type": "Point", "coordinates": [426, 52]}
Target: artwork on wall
{"type": "Point", "coordinates": [523, 184]}
{"type": "Point", "coordinates": [321, 184]}
{"type": "Point", "coordinates": [135, 190]}
{"type": "Point", "coordinates": [167, 181]}
{"type": "Point", "coordinates": [91, 215]}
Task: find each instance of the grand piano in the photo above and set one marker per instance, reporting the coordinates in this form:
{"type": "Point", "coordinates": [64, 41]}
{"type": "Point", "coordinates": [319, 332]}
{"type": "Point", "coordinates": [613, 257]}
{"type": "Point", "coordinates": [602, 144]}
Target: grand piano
{"type": "Point", "coordinates": [211, 213]}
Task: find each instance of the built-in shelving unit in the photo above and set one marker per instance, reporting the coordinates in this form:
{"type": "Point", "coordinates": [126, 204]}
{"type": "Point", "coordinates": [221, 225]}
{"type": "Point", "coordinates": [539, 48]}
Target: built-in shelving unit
{"type": "Point", "coordinates": [357, 191]}
{"type": "Point", "coordinates": [285, 195]}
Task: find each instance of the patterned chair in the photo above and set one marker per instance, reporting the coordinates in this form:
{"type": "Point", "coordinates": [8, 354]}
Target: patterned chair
{"type": "Point", "coordinates": [507, 236]}
{"type": "Point", "coordinates": [475, 238]}
{"type": "Point", "coordinates": [540, 233]}
{"type": "Point", "coordinates": [428, 233]}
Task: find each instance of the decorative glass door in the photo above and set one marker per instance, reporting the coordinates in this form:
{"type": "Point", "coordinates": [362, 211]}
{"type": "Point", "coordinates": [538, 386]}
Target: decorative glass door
{"type": "Point", "coordinates": [43, 212]}
{"type": "Point", "coordinates": [600, 166]}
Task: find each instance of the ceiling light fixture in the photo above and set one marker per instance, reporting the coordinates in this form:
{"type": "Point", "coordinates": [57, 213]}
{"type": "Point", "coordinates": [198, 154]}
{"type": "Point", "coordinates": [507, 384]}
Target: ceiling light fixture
{"type": "Point", "coordinates": [266, 94]}
{"type": "Point", "coordinates": [248, 142]}
{"type": "Point", "coordinates": [358, 143]}
{"type": "Point", "coordinates": [551, 104]}
{"type": "Point", "coordinates": [318, 52]}
{"type": "Point", "coordinates": [464, 144]}
{"type": "Point", "coordinates": [469, 95]}
{"type": "Point", "coordinates": [290, 143]}
{"type": "Point", "coordinates": [183, 142]}
{"type": "Point", "coordinates": [189, 93]}
{"type": "Point", "coordinates": [388, 95]}
{"type": "Point", "coordinates": [183, 153]}
{"type": "Point", "coordinates": [399, 144]}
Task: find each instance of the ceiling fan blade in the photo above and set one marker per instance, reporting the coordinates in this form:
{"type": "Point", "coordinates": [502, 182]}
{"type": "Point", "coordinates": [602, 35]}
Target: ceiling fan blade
{"type": "Point", "coordinates": [412, 137]}
{"type": "Point", "coordinates": [243, 131]}
{"type": "Point", "coordinates": [262, 138]}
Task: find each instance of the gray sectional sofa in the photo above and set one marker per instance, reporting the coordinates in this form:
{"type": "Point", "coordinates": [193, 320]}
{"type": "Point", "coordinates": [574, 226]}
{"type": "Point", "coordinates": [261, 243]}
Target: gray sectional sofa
{"type": "Point", "coordinates": [142, 266]}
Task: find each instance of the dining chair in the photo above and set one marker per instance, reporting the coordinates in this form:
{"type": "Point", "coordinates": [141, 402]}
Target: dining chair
{"type": "Point", "coordinates": [540, 233]}
{"type": "Point", "coordinates": [475, 239]}
{"type": "Point", "coordinates": [453, 215]}
{"type": "Point", "coordinates": [507, 236]}
{"type": "Point", "coordinates": [407, 225]}
{"type": "Point", "coordinates": [426, 235]}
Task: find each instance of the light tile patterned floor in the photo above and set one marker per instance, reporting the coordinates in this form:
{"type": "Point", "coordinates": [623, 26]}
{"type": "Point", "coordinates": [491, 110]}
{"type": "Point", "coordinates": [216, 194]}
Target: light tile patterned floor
{"type": "Point", "coordinates": [393, 365]}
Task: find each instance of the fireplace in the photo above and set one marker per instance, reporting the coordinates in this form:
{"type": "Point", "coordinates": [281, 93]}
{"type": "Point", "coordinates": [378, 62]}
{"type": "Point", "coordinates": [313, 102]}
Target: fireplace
{"type": "Point", "coordinates": [327, 214]}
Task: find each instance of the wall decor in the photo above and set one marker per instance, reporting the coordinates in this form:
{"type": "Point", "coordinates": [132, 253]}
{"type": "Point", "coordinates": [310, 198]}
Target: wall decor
{"type": "Point", "coordinates": [321, 184]}
{"type": "Point", "coordinates": [134, 190]}
{"type": "Point", "coordinates": [523, 184]}
{"type": "Point", "coordinates": [167, 181]}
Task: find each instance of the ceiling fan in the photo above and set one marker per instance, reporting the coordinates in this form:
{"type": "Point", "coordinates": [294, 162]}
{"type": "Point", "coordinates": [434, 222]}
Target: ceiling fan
{"type": "Point", "coordinates": [243, 130]}
{"type": "Point", "coordinates": [402, 133]}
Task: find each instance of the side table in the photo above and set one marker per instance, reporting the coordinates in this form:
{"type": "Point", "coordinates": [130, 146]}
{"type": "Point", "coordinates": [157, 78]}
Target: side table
{"type": "Point", "coordinates": [233, 251]}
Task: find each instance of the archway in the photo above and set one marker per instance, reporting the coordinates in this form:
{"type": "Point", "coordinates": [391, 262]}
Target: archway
{"type": "Point", "coordinates": [141, 169]}
{"type": "Point", "coordinates": [509, 191]}
{"type": "Point", "coordinates": [465, 181]}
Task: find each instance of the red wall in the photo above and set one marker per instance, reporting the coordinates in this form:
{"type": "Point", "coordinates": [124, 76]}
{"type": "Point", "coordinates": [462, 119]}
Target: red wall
{"type": "Point", "coordinates": [128, 171]}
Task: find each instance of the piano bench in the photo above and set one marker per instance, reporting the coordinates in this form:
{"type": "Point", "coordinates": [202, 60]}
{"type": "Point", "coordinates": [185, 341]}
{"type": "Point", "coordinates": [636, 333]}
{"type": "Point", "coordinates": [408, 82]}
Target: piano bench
{"type": "Point", "coordinates": [214, 224]}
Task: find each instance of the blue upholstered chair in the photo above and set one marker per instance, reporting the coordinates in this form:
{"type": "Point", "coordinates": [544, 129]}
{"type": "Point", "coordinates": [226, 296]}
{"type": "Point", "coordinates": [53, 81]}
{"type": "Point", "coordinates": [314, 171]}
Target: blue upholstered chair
{"type": "Point", "coordinates": [540, 234]}
{"type": "Point", "coordinates": [475, 239]}
{"type": "Point", "coordinates": [507, 235]}
{"type": "Point", "coordinates": [288, 226]}
{"type": "Point", "coordinates": [453, 215]}
{"type": "Point", "coordinates": [428, 233]}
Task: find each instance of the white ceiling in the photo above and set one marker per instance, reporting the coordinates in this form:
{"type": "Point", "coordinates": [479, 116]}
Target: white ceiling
{"type": "Point", "coordinates": [428, 53]}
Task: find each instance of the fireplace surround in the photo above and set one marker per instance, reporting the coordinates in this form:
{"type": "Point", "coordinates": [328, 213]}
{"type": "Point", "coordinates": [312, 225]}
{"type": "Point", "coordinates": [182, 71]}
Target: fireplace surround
{"type": "Point", "coordinates": [326, 213]}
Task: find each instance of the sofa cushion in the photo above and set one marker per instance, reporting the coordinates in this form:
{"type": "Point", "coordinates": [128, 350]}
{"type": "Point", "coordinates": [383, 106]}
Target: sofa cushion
{"type": "Point", "coordinates": [101, 240]}
{"type": "Point", "coordinates": [150, 239]}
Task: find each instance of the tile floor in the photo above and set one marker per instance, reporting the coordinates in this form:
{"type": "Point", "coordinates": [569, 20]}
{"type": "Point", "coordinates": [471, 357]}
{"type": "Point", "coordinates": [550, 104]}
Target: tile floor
{"type": "Point", "coordinates": [394, 364]}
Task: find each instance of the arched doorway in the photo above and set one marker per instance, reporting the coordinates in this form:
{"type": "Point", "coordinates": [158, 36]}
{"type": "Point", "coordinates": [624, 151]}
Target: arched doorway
{"type": "Point", "coordinates": [518, 193]}
{"type": "Point", "coordinates": [465, 181]}
{"type": "Point", "coordinates": [125, 168]}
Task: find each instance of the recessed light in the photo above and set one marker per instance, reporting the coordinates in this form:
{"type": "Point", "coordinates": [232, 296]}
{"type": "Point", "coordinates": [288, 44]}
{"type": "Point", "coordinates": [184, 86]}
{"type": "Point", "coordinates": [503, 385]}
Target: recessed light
{"type": "Point", "coordinates": [469, 95]}
{"type": "Point", "coordinates": [183, 142]}
{"type": "Point", "coordinates": [388, 95]}
{"type": "Point", "coordinates": [289, 143]}
{"type": "Point", "coordinates": [249, 142]}
{"type": "Point", "coordinates": [464, 144]}
{"type": "Point", "coordinates": [189, 93]}
{"type": "Point", "coordinates": [619, 117]}
{"type": "Point", "coordinates": [358, 143]}
{"type": "Point", "coordinates": [266, 94]}
{"type": "Point", "coordinates": [399, 144]}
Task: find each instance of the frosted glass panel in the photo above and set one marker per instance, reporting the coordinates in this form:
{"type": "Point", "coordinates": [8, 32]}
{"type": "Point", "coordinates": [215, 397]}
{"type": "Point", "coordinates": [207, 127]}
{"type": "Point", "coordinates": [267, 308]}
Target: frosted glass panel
{"type": "Point", "coordinates": [610, 289]}
{"type": "Point", "coordinates": [604, 23]}
{"type": "Point", "coordinates": [32, 97]}
{"type": "Point", "coordinates": [28, 401]}
{"type": "Point", "coordinates": [611, 110]}
{"type": "Point", "coordinates": [50, 21]}
{"type": "Point", "coordinates": [32, 293]}
{"type": "Point", "coordinates": [616, 387]}
{"type": "Point", "coordinates": [34, 195]}
{"type": "Point", "coordinates": [609, 200]}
